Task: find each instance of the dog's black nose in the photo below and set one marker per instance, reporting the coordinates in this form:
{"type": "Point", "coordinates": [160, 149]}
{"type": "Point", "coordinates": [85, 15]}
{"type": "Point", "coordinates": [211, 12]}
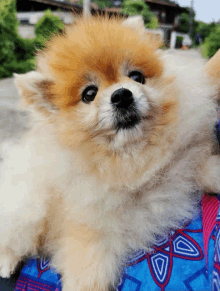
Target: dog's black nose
{"type": "Point", "coordinates": [122, 98]}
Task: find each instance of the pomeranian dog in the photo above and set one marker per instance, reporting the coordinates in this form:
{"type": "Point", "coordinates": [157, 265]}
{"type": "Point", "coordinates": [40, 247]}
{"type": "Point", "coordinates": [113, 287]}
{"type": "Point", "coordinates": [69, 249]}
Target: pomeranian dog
{"type": "Point", "coordinates": [120, 151]}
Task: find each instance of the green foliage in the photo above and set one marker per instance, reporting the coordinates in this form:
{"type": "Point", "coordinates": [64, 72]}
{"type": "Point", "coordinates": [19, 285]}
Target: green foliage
{"type": "Point", "coordinates": [48, 26]}
{"type": "Point", "coordinates": [103, 3]}
{"type": "Point", "coordinates": [139, 7]}
{"type": "Point", "coordinates": [179, 41]}
{"type": "Point", "coordinates": [8, 20]}
{"type": "Point", "coordinates": [153, 24]}
{"type": "Point", "coordinates": [24, 48]}
{"type": "Point", "coordinates": [17, 54]}
{"type": "Point", "coordinates": [184, 22]}
{"type": "Point", "coordinates": [204, 50]}
{"type": "Point", "coordinates": [8, 30]}
{"type": "Point", "coordinates": [212, 42]}
{"type": "Point", "coordinates": [205, 29]}
{"type": "Point", "coordinates": [15, 66]}
{"type": "Point", "coordinates": [14, 51]}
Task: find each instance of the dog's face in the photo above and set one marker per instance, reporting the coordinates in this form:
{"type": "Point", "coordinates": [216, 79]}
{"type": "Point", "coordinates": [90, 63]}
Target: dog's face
{"type": "Point", "coordinates": [103, 86]}
{"type": "Point", "coordinates": [100, 76]}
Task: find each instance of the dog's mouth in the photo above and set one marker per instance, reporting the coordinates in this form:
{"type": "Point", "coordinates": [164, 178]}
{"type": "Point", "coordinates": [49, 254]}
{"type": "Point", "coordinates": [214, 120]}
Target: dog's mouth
{"type": "Point", "coordinates": [127, 119]}
{"type": "Point", "coordinates": [127, 113]}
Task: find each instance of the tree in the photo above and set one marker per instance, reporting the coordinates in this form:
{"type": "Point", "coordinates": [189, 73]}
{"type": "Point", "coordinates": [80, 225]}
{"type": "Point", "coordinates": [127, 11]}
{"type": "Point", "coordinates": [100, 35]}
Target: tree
{"type": "Point", "coordinates": [103, 3]}
{"type": "Point", "coordinates": [204, 29]}
{"type": "Point", "coordinates": [48, 25]}
{"type": "Point", "coordinates": [14, 51]}
{"type": "Point", "coordinates": [139, 7]}
{"type": "Point", "coordinates": [8, 29]}
{"type": "Point", "coordinates": [185, 23]}
{"type": "Point", "coordinates": [212, 42]}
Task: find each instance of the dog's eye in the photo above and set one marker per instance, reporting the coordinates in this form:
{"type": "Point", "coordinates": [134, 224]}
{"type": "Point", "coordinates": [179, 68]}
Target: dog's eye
{"type": "Point", "coordinates": [137, 77]}
{"type": "Point", "coordinates": [89, 94]}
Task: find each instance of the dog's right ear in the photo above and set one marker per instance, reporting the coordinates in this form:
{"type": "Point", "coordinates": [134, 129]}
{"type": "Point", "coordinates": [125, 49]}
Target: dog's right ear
{"type": "Point", "coordinates": [212, 69]}
{"type": "Point", "coordinates": [135, 22]}
{"type": "Point", "coordinates": [35, 91]}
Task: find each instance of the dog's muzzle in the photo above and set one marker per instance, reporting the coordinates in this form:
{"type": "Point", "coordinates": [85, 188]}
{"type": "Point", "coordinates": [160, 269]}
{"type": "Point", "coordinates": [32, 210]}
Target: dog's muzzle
{"type": "Point", "coordinates": [126, 113]}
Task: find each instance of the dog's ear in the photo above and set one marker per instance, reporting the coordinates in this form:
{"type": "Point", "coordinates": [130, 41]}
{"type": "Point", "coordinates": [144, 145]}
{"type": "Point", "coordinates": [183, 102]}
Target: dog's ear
{"type": "Point", "coordinates": [135, 22]}
{"type": "Point", "coordinates": [34, 89]}
{"type": "Point", "coordinates": [212, 68]}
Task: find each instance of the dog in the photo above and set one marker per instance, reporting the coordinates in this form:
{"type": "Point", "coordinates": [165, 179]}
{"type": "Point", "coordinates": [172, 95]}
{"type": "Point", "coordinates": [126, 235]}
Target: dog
{"type": "Point", "coordinates": [121, 150]}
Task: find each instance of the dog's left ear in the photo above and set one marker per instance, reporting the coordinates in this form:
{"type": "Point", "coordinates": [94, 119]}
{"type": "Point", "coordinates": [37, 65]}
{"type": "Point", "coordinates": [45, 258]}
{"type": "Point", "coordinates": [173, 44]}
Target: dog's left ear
{"type": "Point", "coordinates": [34, 89]}
{"type": "Point", "coordinates": [212, 68]}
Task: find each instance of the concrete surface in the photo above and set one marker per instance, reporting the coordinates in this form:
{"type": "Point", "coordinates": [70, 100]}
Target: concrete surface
{"type": "Point", "coordinates": [12, 122]}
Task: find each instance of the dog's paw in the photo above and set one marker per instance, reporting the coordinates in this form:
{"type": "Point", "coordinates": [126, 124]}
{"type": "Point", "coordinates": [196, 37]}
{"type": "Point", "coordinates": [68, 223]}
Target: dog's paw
{"type": "Point", "coordinates": [8, 263]}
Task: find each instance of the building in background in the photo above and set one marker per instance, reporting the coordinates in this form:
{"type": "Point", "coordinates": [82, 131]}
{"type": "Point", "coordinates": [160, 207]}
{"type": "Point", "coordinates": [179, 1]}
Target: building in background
{"type": "Point", "coordinates": [168, 15]}
{"type": "Point", "coordinates": [29, 11]}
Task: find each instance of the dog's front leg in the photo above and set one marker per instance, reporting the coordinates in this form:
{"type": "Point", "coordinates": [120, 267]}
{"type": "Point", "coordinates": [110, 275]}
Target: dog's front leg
{"type": "Point", "coordinates": [87, 259]}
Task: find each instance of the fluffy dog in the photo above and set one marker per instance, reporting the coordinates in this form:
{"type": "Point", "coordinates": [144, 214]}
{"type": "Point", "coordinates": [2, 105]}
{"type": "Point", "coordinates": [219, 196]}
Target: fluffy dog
{"type": "Point", "coordinates": [120, 151]}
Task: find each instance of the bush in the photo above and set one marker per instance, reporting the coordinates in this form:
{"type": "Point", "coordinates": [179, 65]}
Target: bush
{"type": "Point", "coordinates": [184, 22]}
{"type": "Point", "coordinates": [15, 66]}
{"type": "Point", "coordinates": [204, 50]}
{"type": "Point", "coordinates": [102, 3]}
{"type": "Point", "coordinates": [46, 27]}
{"type": "Point", "coordinates": [8, 30]}
{"type": "Point", "coordinates": [179, 41]}
{"type": "Point", "coordinates": [17, 54]}
{"type": "Point", "coordinates": [184, 25]}
{"type": "Point", "coordinates": [153, 24]}
{"type": "Point", "coordinates": [212, 42]}
{"type": "Point", "coordinates": [139, 7]}
{"type": "Point", "coordinates": [24, 48]}
{"type": "Point", "coordinates": [204, 29]}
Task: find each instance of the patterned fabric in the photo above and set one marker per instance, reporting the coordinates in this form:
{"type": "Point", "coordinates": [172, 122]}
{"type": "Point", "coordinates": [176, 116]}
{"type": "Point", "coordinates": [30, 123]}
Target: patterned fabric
{"type": "Point", "coordinates": [177, 263]}
{"type": "Point", "coordinates": [216, 267]}
{"type": "Point", "coordinates": [37, 275]}
{"type": "Point", "coordinates": [210, 207]}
